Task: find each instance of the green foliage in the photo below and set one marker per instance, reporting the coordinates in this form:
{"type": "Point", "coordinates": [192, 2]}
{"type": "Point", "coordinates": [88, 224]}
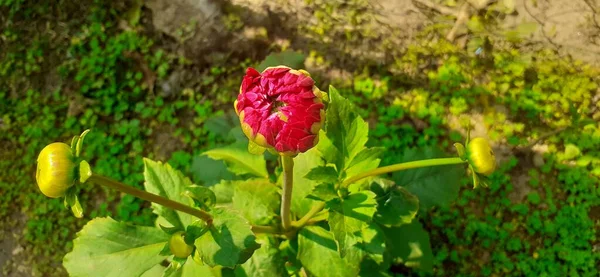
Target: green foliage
{"type": "Point", "coordinates": [105, 247]}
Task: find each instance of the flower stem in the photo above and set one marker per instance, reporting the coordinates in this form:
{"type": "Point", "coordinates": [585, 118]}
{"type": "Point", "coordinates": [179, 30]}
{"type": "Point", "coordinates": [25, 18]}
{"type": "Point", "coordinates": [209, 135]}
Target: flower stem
{"type": "Point", "coordinates": [107, 182]}
{"type": "Point", "coordinates": [286, 196]}
{"type": "Point", "coordinates": [402, 166]}
{"type": "Point", "coordinates": [378, 171]}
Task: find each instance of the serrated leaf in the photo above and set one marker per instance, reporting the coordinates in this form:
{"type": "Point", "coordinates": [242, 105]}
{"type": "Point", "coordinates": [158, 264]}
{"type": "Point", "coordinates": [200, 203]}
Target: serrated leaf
{"type": "Point", "coordinates": [266, 261]}
{"type": "Point", "coordinates": [239, 160]}
{"type": "Point", "coordinates": [228, 242]}
{"type": "Point", "coordinates": [349, 216]}
{"type": "Point", "coordinates": [435, 185]}
{"type": "Point", "coordinates": [346, 131]}
{"type": "Point", "coordinates": [192, 269]}
{"type": "Point", "coordinates": [318, 254]}
{"type": "Point", "coordinates": [224, 191]}
{"type": "Point", "coordinates": [409, 245]}
{"type": "Point", "coordinates": [257, 200]}
{"type": "Point", "coordinates": [203, 197]}
{"type": "Point", "coordinates": [304, 163]}
{"type": "Point", "coordinates": [323, 192]}
{"type": "Point", "coordinates": [105, 247]}
{"type": "Point", "coordinates": [397, 207]}
{"type": "Point", "coordinates": [288, 58]}
{"type": "Point", "coordinates": [323, 174]}
{"type": "Point", "coordinates": [194, 231]}
{"type": "Point", "coordinates": [210, 172]}
{"type": "Point", "coordinates": [367, 159]}
{"type": "Point", "coordinates": [165, 181]}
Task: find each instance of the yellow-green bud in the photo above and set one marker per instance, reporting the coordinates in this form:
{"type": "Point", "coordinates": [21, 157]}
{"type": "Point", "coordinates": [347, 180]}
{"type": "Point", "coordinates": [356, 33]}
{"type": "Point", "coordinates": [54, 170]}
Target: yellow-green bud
{"type": "Point", "coordinates": [55, 169]}
{"type": "Point", "coordinates": [481, 156]}
{"type": "Point", "coordinates": [178, 247]}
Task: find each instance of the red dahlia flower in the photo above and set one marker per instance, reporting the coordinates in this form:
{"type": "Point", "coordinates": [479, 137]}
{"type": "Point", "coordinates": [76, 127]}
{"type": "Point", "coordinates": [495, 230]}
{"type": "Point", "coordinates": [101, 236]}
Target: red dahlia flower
{"type": "Point", "coordinates": [280, 109]}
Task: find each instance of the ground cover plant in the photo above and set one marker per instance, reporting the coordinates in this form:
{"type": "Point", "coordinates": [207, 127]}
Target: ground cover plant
{"type": "Point", "coordinates": [60, 62]}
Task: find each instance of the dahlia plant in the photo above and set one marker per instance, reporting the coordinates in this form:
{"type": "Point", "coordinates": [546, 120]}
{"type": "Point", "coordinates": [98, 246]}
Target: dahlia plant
{"type": "Point", "coordinates": [327, 210]}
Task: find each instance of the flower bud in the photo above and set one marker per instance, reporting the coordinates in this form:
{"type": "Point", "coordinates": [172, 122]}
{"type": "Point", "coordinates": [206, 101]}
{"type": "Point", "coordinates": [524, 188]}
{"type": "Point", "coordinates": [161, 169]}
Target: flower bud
{"type": "Point", "coordinates": [481, 157]}
{"type": "Point", "coordinates": [280, 109]}
{"type": "Point", "coordinates": [56, 169]}
{"type": "Point", "coordinates": [178, 247]}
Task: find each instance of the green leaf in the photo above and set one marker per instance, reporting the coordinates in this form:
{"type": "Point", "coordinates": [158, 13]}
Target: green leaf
{"type": "Point", "coordinates": [318, 253]}
{"type": "Point", "coordinates": [372, 241]}
{"type": "Point", "coordinates": [304, 163]}
{"type": "Point", "coordinates": [192, 269]}
{"type": "Point", "coordinates": [210, 172]}
{"type": "Point", "coordinates": [265, 262]}
{"type": "Point", "coordinates": [224, 191]}
{"type": "Point", "coordinates": [435, 185]}
{"type": "Point", "coordinates": [397, 207]}
{"type": "Point", "coordinates": [257, 200]}
{"type": "Point", "coordinates": [324, 192]}
{"type": "Point", "coordinates": [165, 181]}
{"type": "Point", "coordinates": [409, 245]}
{"type": "Point", "coordinates": [288, 58]}
{"type": "Point", "coordinates": [323, 174]}
{"type": "Point", "coordinates": [239, 160]}
{"type": "Point", "coordinates": [228, 242]}
{"type": "Point", "coordinates": [349, 216]}
{"type": "Point", "coordinates": [365, 160]}
{"type": "Point", "coordinates": [346, 131]}
{"type": "Point", "coordinates": [105, 247]}
{"type": "Point", "coordinates": [203, 197]}
{"type": "Point", "coordinates": [194, 231]}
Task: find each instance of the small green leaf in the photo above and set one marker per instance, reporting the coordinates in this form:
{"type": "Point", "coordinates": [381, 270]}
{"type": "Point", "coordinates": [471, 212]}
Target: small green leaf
{"type": "Point", "coordinates": [349, 216]}
{"type": "Point", "coordinates": [257, 200]}
{"type": "Point", "coordinates": [203, 197]}
{"type": "Point", "coordinates": [318, 254]}
{"type": "Point", "coordinates": [345, 129]}
{"type": "Point", "coordinates": [239, 160]}
{"type": "Point", "coordinates": [397, 207]}
{"type": "Point", "coordinates": [105, 247]}
{"type": "Point", "coordinates": [323, 174]}
{"type": "Point", "coordinates": [255, 149]}
{"type": "Point", "coordinates": [324, 192]}
{"type": "Point", "coordinates": [72, 201]}
{"type": "Point", "coordinates": [228, 242]}
{"type": "Point", "coordinates": [224, 191]}
{"type": "Point", "coordinates": [165, 181]}
{"type": "Point", "coordinates": [288, 58]}
{"type": "Point", "coordinates": [409, 245]}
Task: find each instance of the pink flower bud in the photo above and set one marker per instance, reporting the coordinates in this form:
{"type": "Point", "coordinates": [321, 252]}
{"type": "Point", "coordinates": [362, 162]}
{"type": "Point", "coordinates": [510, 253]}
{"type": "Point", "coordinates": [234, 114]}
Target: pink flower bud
{"type": "Point", "coordinates": [280, 109]}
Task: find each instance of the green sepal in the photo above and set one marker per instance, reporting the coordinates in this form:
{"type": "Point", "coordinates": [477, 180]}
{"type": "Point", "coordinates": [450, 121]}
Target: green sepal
{"type": "Point", "coordinates": [255, 149]}
{"type": "Point", "coordinates": [80, 142]}
{"type": "Point", "coordinates": [74, 145]}
{"type": "Point", "coordinates": [169, 230]}
{"type": "Point", "coordinates": [166, 251]}
{"type": "Point", "coordinates": [203, 197]}
{"type": "Point", "coordinates": [194, 231]}
{"type": "Point", "coordinates": [72, 201]}
{"type": "Point", "coordinates": [475, 177]}
{"type": "Point", "coordinates": [460, 149]}
{"type": "Point", "coordinates": [85, 171]}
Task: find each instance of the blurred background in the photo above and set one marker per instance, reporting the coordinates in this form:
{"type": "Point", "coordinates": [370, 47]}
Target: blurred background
{"type": "Point", "coordinates": [157, 79]}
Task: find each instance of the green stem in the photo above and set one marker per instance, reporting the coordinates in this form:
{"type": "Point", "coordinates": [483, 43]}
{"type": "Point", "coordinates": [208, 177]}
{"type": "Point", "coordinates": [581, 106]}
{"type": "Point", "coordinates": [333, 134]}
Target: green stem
{"type": "Point", "coordinates": [313, 211]}
{"type": "Point", "coordinates": [402, 166]}
{"type": "Point", "coordinates": [378, 171]}
{"type": "Point", "coordinates": [107, 182]}
{"type": "Point", "coordinates": [286, 196]}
